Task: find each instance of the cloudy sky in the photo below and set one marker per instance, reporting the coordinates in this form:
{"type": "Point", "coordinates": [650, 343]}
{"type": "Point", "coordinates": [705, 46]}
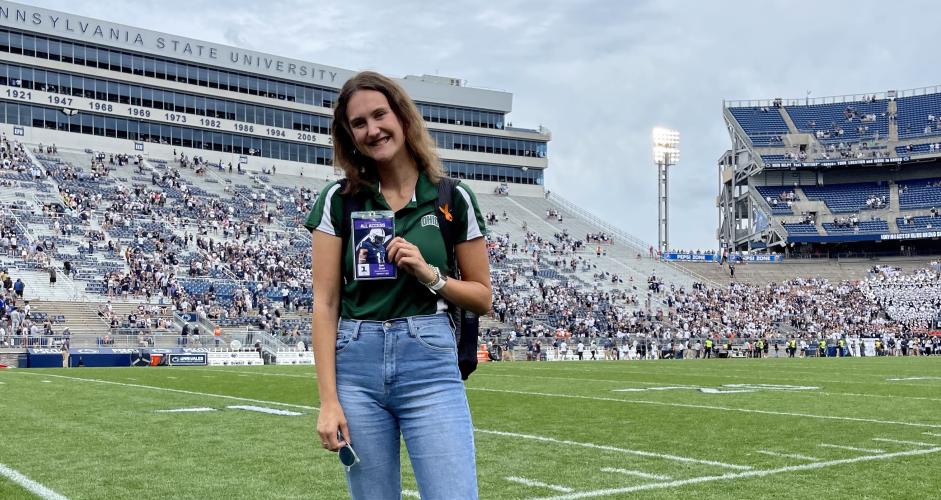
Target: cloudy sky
{"type": "Point", "coordinates": [600, 75]}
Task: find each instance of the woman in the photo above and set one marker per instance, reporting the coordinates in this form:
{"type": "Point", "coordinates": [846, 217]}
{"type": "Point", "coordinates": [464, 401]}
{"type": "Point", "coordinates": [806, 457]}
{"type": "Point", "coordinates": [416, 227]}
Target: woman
{"type": "Point", "coordinates": [388, 366]}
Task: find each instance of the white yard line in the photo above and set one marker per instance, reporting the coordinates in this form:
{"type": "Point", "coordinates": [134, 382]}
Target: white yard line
{"type": "Point", "coordinates": [731, 476]}
{"type": "Point", "coordinates": [935, 434]}
{"type": "Point", "coordinates": [899, 441]}
{"type": "Point", "coordinates": [410, 494]}
{"type": "Point", "coordinates": [178, 391]}
{"type": "Point", "coordinates": [637, 382]}
{"type": "Point", "coordinates": [262, 409]}
{"type": "Point", "coordinates": [637, 473]}
{"type": "Point", "coordinates": [187, 410]}
{"type": "Point", "coordinates": [311, 376]}
{"type": "Point", "coordinates": [912, 378]}
{"type": "Point", "coordinates": [850, 448]}
{"type": "Point", "coordinates": [787, 455]}
{"type": "Point", "coordinates": [710, 407]}
{"type": "Point", "coordinates": [640, 453]}
{"type": "Point", "coordinates": [33, 487]}
{"type": "Point", "coordinates": [539, 484]}
{"type": "Point", "coordinates": [878, 396]}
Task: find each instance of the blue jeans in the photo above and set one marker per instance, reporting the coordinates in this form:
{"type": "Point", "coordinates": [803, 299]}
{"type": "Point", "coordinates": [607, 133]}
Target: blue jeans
{"type": "Point", "coordinates": [401, 376]}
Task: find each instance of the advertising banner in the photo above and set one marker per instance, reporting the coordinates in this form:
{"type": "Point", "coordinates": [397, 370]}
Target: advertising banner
{"type": "Point", "coordinates": [295, 358]}
{"type": "Point", "coordinates": [187, 359]}
{"type": "Point", "coordinates": [692, 257]}
{"type": "Point", "coordinates": [243, 358]}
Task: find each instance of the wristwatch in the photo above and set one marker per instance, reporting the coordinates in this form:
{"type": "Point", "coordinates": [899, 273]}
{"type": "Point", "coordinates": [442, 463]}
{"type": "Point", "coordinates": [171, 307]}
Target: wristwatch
{"type": "Point", "coordinates": [438, 282]}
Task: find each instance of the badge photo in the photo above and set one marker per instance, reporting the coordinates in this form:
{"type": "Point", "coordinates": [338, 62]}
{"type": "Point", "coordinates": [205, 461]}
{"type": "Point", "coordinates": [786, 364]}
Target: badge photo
{"type": "Point", "coordinates": [371, 232]}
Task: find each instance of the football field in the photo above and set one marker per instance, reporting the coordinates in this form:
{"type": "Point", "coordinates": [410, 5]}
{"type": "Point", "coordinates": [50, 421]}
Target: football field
{"type": "Point", "coordinates": [773, 428]}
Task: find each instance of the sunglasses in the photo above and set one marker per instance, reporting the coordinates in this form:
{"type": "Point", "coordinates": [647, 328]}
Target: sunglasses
{"type": "Point", "coordinates": [348, 457]}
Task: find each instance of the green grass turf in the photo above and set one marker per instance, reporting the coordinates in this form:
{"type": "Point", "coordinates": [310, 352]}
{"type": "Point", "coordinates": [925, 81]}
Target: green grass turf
{"type": "Point", "coordinates": [88, 439]}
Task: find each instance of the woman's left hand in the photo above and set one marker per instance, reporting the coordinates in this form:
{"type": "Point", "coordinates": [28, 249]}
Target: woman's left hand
{"type": "Point", "coordinates": [409, 258]}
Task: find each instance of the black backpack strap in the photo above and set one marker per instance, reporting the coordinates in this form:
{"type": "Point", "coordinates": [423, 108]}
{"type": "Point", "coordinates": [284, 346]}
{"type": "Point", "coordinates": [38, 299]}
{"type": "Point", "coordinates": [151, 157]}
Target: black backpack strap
{"type": "Point", "coordinates": [466, 323]}
{"type": "Point", "coordinates": [446, 187]}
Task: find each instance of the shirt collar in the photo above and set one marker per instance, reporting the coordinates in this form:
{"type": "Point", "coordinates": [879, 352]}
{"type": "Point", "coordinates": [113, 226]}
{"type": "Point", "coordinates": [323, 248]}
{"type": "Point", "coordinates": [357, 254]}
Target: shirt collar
{"type": "Point", "coordinates": [425, 190]}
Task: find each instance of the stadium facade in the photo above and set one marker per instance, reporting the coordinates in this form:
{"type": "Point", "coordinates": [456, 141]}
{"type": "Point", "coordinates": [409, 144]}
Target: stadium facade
{"type": "Point", "coordinates": [81, 82]}
{"type": "Point", "coordinates": [847, 174]}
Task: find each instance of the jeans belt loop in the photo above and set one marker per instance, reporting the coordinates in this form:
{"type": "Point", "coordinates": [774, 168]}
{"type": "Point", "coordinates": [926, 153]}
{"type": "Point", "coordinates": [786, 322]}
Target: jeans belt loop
{"type": "Point", "coordinates": [356, 327]}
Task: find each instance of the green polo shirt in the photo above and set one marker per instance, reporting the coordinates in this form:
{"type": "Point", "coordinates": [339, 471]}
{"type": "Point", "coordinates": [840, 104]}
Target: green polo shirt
{"type": "Point", "coordinates": [417, 222]}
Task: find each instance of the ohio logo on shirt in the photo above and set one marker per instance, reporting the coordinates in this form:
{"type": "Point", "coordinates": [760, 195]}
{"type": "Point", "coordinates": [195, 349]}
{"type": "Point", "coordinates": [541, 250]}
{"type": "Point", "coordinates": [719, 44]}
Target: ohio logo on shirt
{"type": "Point", "coordinates": [430, 220]}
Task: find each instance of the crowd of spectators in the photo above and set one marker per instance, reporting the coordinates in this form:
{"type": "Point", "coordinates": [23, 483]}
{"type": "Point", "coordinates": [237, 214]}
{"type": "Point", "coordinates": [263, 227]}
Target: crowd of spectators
{"type": "Point", "coordinates": [20, 326]}
{"type": "Point", "coordinates": [849, 221]}
{"type": "Point", "coordinates": [172, 233]}
{"type": "Point", "coordinates": [876, 201]}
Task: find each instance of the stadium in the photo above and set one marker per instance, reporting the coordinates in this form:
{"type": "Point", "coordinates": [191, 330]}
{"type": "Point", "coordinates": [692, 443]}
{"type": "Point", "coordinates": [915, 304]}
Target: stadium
{"type": "Point", "coordinates": [155, 311]}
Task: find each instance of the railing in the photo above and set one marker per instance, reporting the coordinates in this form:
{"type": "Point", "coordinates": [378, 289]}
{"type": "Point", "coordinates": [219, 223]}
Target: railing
{"type": "Point", "coordinates": [620, 235]}
{"type": "Point", "coordinates": [809, 101]}
{"type": "Point", "coordinates": [123, 340]}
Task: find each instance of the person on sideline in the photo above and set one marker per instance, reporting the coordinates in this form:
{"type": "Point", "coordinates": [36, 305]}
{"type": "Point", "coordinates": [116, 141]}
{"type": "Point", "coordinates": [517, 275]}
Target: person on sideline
{"type": "Point", "coordinates": [386, 355]}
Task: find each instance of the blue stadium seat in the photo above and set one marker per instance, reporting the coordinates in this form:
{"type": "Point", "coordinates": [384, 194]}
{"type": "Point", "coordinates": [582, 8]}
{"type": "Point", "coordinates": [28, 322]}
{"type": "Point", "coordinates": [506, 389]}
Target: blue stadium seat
{"type": "Point", "coordinates": [834, 116]}
{"type": "Point", "coordinates": [912, 115]}
{"type": "Point", "coordinates": [864, 227]}
{"type": "Point", "coordinates": [764, 125]}
{"type": "Point", "coordinates": [919, 224]}
{"type": "Point", "coordinates": [842, 198]}
{"type": "Point", "coordinates": [796, 229]}
{"type": "Point", "coordinates": [920, 193]}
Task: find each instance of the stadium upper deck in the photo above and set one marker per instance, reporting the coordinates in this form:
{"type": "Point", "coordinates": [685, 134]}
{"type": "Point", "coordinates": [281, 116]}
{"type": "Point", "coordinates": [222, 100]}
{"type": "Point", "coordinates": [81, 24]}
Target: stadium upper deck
{"type": "Point", "coordinates": [850, 173]}
{"type": "Point", "coordinates": [127, 88]}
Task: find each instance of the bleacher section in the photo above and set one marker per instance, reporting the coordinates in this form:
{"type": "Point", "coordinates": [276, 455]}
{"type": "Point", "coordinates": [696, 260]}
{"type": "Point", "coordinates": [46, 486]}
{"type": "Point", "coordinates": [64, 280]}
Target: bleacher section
{"type": "Point", "coordinates": [190, 199]}
{"type": "Point", "coordinates": [919, 224]}
{"type": "Point", "coordinates": [797, 229]}
{"type": "Point", "coordinates": [843, 198]}
{"type": "Point", "coordinates": [931, 147]}
{"type": "Point", "coordinates": [913, 115]}
{"type": "Point", "coordinates": [919, 193]}
{"type": "Point", "coordinates": [864, 227]}
{"type": "Point", "coordinates": [764, 125]}
{"type": "Point", "coordinates": [775, 159]}
{"type": "Point", "coordinates": [773, 192]}
{"type": "Point", "coordinates": [841, 122]}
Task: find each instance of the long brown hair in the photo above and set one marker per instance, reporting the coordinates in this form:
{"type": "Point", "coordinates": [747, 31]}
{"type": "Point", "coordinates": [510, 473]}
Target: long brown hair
{"type": "Point", "coordinates": [361, 170]}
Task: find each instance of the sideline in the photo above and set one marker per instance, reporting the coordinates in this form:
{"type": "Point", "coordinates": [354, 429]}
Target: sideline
{"type": "Point", "coordinates": [33, 487]}
{"type": "Point", "coordinates": [312, 376]}
{"type": "Point", "coordinates": [710, 407]}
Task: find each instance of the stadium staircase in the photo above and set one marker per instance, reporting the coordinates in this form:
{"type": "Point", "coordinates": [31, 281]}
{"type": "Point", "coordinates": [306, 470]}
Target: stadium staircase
{"type": "Point", "coordinates": [79, 318]}
{"type": "Point", "coordinates": [791, 127]}
{"type": "Point", "coordinates": [893, 210]}
{"type": "Point", "coordinates": [892, 110]}
{"type": "Point", "coordinates": [621, 257]}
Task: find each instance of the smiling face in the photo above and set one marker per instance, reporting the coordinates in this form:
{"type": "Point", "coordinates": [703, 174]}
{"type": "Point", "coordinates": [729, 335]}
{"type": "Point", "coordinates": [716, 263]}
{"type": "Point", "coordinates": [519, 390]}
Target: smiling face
{"type": "Point", "coordinates": [377, 131]}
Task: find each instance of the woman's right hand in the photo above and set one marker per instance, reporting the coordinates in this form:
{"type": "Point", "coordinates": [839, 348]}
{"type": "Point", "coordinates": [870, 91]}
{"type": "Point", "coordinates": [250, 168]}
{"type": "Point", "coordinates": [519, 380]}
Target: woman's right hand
{"type": "Point", "coordinates": [330, 421]}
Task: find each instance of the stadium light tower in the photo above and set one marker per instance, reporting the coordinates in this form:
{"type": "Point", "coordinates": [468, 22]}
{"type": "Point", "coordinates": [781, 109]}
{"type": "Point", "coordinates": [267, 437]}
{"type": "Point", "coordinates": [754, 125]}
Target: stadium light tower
{"type": "Point", "coordinates": [666, 153]}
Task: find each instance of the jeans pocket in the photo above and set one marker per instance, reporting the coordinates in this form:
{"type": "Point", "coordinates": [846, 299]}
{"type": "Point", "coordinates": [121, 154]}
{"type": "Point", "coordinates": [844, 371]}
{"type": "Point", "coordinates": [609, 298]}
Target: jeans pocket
{"type": "Point", "coordinates": [344, 338]}
{"type": "Point", "coordinates": [437, 337]}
